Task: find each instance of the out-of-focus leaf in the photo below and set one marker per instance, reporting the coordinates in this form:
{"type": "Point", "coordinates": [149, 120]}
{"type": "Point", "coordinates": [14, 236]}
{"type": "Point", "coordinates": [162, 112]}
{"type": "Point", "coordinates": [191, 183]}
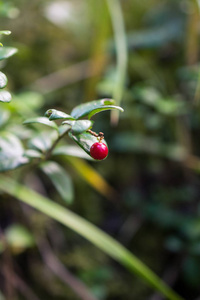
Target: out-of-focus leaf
{"type": "Point", "coordinates": [26, 103]}
{"type": "Point", "coordinates": [3, 80]}
{"type": "Point", "coordinates": [5, 32]}
{"type": "Point", "coordinates": [41, 120]}
{"type": "Point", "coordinates": [79, 126]}
{"type": "Point", "coordinates": [6, 52]}
{"type": "Point", "coordinates": [87, 108]}
{"type": "Point", "coordinates": [21, 131]}
{"type": "Point", "coordinates": [54, 114]}
{"type": "Point", "coordinates": [153, 98]}
{"type": "Point", "coordinates": [5, 96]}
{"type": "Point", "coordinates": [60, 179]}
{"type": "Point", "coordinates": [92, 177]}
{"type": "Point", "coordinates": [43, 141]}
{"type": "Point", "coordinates": [174, 244]}
{"type": "Point", "coordinates": [157, 36]}
{"type": "Point", "coordinates": [106, 107]}
{"type": "Point", "coordinates": [85, 140]}
{"type": "Point", "coordinates": [31, 153]}
{"type": "Point", "coordinates": [71, 151]}
{"type": "Point", "coordinates": [4, 116]}
{"type": "Point", "coordinates": [11, 152]}
{"type": "Point", "coordinates": [19, 238]}
{"type": "Point", "coordinates": [129, 142]}
{"type": "Point", "coordinates": [64, 128]}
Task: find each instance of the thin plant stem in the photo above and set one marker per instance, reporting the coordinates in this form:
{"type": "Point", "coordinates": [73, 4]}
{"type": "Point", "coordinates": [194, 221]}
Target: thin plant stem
{"type": "Point", "coordinates": [121, 53]}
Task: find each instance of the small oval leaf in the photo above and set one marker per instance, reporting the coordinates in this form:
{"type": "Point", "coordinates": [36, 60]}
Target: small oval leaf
{"type": "Point", "coordinates": [5, 96]}
{"type": "Point", "coordinates": [79, 126]}
{"type": "Point", "coordinates": [107, 107]}
{"type": "Point", "coordinates": [43, 141]}
{"type": "Point", "coordinates": [19, 238]}
{"type": "Point", "coordinates": [41, 120]}
{"type": "Point", "coordinates": [6, 52]}
{"type": "Point", "coordinates": [84, 109]}
{"type": "Point", "coordinates": [5, 32]}
{"type": "Point", "coordinates": [85, 140]}
{"type": "Point", "coordinates": [54, 114]}
{"type": "Point", "coordinates": [32, 153]}
{"type": "Point", "coordinates": [60, 179]}
{"type": "Point", "coordinates": [3, 80]}
{"type": "Point", "coordinates": [11, 152]}
{"type": "Point", "coordinates": [71, 151]}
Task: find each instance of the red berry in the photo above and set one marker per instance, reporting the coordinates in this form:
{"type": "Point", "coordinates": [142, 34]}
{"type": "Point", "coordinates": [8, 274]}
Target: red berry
{"type": "Point", "coordinates": [99, 151]}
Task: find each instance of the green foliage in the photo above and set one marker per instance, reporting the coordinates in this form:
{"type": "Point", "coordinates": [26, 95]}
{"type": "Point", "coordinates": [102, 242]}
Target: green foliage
{"type": "Point", "coordinates": [77, 129]}
{"type": "Point", "coordinates": [93, 107]}
{"type": "Point", "coordinates": [146, 193]}
{"type": "Point", "coordinates": [11, 152]}
{"type": "Point", "coordinates": [90, 232]}
{"type": "Point", "coordinates": [3, 80]}
{"type": "Point", "coordinates": [5, 52]}
{"type": "Point", "coordinates": [60, 179]}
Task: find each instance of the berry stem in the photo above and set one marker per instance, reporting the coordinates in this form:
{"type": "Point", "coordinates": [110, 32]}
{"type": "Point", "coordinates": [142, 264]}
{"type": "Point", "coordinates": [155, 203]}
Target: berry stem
{"type": "Point", "coordinates": [100, 135]}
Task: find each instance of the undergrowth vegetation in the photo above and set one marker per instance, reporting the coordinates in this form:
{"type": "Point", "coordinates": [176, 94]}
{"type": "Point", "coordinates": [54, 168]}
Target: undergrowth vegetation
{"type": "Point", "coordinates": [125, 74]}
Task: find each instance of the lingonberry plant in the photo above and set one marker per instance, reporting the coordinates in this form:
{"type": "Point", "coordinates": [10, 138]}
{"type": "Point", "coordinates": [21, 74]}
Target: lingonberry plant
{"type": "Point", "coordinates": [78, 129]}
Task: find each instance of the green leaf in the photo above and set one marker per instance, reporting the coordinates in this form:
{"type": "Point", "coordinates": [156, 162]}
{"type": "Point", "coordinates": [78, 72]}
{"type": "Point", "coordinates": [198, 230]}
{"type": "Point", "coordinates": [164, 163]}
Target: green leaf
{"type": "Point", "coordinates": [85, 140]}
{"type": "Point", "coordinates": [60, 179]}
{"type": "Point", "coordinates": [153, 98]}
{"type": "Point", "coordinates": [81, 226]}
{"type": "Point", "coordinates": [5, 96]}
{"type": "Point", "coordinates": [87, 108]}
{"type": "Point", "coordinates": [6, 52]}
{"type": "Point", "coordinates": [26, 103]}
{"type": "Point", "coordinates": [43, 141]}
{"type": "Point", "coordinates": [3, 80]}
{"type": "Point", "coordinates": [91, 176]}
{"type": "Point", "coordinates": [54, 114]}
{"type": "Point", "coordinates": [11, 152]}
{"type": "Point", "coordinates": [4, 116]}
{"type": "Point", "coordinates": [157, 36]}
{"type": "Point", "coordinates": [63, 129]}
{"type": "Point", "coordinates": [106, 107]}
{"type": "Point", "coordinates": [42, 120]}
{"type": "Point", "coordinates": [19, 238]}
{"type": "Point", "coordinates": [79, 126]}
{"type": "Point", "coordinates": [5, 32]}
{"type": "Point", "coordinates": [31, 153]}
{"type": "Point", "coordinates": [71, 151]}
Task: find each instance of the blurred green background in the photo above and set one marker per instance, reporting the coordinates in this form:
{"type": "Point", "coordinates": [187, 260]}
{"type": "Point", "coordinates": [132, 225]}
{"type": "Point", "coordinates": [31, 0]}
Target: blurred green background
{"type": "Point", "coordinates": [146, 193]}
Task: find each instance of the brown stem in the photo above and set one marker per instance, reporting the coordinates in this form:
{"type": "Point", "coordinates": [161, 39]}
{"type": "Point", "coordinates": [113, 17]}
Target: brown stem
{"type": "Point", "coordinates": [49, 152]}
{"type": "Point", "coordinates": [100, 135]}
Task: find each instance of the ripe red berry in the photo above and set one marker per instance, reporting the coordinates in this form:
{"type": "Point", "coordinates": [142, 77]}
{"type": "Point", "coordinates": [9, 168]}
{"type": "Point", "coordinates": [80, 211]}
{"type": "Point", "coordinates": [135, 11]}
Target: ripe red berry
{"type": "Point", "coordinates": [99, 151]}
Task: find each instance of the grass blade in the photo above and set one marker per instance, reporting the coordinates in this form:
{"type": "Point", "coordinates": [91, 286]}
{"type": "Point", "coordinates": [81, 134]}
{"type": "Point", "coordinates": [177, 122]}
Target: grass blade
{"type": "Point", "coordinates": [88, 231]}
